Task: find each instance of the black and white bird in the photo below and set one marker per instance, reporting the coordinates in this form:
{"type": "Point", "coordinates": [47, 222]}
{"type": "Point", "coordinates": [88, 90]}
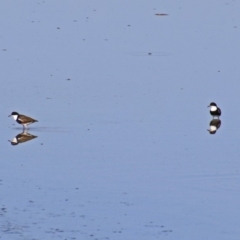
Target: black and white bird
{"type": "Point", "coordinates": [215, 111]}
{"type": "Point", "coordinates": [22, 119]}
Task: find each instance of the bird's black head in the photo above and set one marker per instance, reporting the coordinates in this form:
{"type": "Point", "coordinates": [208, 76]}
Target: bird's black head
{"type": "Point", "coordinates": [14, 113]}
{"type": "Point", "coordinates": [212, 104]}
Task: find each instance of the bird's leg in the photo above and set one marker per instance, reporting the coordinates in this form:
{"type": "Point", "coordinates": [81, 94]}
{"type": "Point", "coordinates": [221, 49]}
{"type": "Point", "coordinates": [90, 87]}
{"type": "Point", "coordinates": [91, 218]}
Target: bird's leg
{"type": "Point", "coordinates": [25, 131]}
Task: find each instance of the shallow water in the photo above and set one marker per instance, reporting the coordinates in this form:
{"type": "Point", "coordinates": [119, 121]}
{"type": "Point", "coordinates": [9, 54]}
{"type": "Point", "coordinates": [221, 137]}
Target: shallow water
{"type": "Point", "coordinates": [122, 149]}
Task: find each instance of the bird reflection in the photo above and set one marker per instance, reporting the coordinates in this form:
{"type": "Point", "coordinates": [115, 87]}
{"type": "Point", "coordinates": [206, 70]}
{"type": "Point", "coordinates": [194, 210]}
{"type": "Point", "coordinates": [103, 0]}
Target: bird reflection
{"type": "Point", "coordinates": [22, 137]}
{"type": "Point", "coordinates": [215, 124]}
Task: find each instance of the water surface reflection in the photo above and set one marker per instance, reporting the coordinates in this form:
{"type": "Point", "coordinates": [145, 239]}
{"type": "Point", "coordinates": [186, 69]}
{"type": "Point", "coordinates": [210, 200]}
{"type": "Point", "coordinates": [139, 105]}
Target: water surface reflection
{"type": "Point", "coordinates": [215, 124]}
{"type": "Point", "coordinates": [22, 138]}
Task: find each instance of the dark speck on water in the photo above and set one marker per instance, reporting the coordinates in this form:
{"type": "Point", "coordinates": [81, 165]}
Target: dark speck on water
{"type": "Point", "coordinates": [161, 14]}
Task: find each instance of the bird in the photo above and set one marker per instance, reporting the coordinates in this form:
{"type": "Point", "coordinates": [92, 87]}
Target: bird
{"type": "Point", "coordinates": [215, 111]}
{"type": "Point", "coordinates": [215, 124]}
{"type": "Point", "coordinates": [22, 137]}
{"type": "Point", "coordinates": [22, 119]}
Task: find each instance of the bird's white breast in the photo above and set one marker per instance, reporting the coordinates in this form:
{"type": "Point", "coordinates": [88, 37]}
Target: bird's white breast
{"type": "Point", "coordinates": [15, 117]}
{"type": "Point", "coordinates": [213, 108]}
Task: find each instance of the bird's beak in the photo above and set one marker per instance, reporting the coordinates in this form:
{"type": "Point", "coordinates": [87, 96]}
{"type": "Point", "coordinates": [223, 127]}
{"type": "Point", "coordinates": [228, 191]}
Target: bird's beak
{"type": "Point", "coordinates": [9, 115]}
{"type": "Point", "coordinates": [208, 106]}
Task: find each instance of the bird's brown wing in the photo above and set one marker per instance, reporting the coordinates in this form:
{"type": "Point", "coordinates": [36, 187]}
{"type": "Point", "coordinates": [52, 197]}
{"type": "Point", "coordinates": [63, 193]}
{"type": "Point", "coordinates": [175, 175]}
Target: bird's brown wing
{"type": "Point", "coordinates": [219, 111]}
{"type": "Point", "coordinates": [23, 118]}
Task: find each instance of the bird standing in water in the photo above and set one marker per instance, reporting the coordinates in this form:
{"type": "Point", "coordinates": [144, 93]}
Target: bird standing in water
{"type": "Point", "coordinates": [22, 119]}
{"type": "Point", "coordinates": [215, 111]}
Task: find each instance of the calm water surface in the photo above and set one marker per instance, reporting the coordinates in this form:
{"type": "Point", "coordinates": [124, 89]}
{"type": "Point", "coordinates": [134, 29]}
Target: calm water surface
{"type": "Point", "coordinates": [121, 149]}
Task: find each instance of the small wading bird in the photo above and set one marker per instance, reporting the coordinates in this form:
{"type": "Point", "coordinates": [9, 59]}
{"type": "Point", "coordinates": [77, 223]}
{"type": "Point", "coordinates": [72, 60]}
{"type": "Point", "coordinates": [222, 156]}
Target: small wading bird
{"type": "Point", "coordinates": [22, 119]}
{"type": "Point", "coordinates": [215, 111]}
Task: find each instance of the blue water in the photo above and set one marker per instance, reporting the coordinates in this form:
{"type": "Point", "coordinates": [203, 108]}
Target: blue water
{"type": "Point", "coordinates": [121, 95]}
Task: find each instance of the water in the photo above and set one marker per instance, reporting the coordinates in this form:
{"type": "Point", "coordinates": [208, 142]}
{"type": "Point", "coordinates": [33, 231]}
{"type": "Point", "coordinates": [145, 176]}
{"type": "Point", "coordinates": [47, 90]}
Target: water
{"type": "Point", "coordinates": [122, 149]}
